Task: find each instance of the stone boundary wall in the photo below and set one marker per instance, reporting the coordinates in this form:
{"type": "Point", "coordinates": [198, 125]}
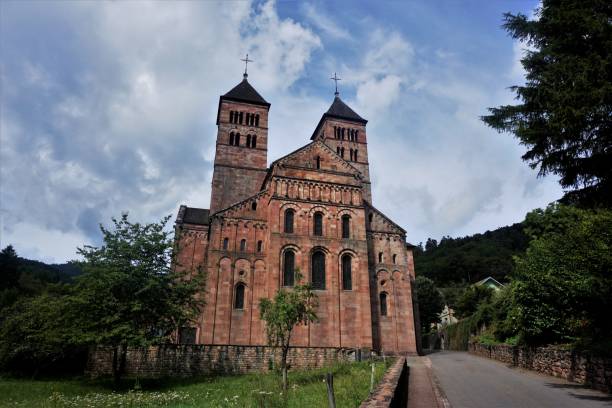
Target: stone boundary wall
{"type": "Point", "coordinates": [592, 371]}
{"type": "Point", "coordinates": [193, 360]}
{"type": "Point", "coordinates": [392, 391]}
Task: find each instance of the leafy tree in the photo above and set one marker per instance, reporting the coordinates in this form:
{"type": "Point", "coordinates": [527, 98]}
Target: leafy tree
{"type": "Point", "coordinates": [9, 268]}
{"type": "Point", "coordinates": [286, 310]}
{"type": "Point", "coordinates": [471, 299]}
{"type": "Point", "coordinates": [36, 335]}
{"type": "Point", "coordinates": [564, 115]}
{"type": "Point", "coordinates": [563, 284]}
{"type": "Point", "coordinates": [130, 292]}
{"type": "Point", "coordinates": [429, 301]}
{"type": "Point", "coordinates": [451, 294]}
{"type": "Point", "coordinates": [430, 244]}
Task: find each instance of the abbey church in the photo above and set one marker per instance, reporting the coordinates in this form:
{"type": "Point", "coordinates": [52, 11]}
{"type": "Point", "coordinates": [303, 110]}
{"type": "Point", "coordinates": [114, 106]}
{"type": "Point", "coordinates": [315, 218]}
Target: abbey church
{"type": "Point", "coordinates": [310, 211]}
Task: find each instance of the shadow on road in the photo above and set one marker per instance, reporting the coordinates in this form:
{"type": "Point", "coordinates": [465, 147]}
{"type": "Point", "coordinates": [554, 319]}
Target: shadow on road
{"type": "Point", "coordinates": [589, 397]}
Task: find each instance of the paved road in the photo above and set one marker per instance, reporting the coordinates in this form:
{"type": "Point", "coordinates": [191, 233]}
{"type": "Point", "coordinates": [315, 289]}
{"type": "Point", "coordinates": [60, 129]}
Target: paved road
{"type": "Point", "coordinates": [476, 382]}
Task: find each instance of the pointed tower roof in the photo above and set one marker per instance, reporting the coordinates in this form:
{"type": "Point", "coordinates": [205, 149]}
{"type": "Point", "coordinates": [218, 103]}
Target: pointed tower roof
{"type": "Point", "coordinates": [244, 92]}
{"type": "Point", "coordinates": [339, 110]}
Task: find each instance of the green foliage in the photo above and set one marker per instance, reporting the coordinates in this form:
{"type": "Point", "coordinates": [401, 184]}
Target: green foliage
{"type": "Point", "coordinates": [129, 294]}
{"type": "Point", "coordinates": [562, 290]}
{"type": "Point", "coordinates": [563, 117]}
{"type": "Point", "coordinates": [486, 324]}
{"type": "Point", "coordinates": [21, 277]}
{"type": "Point", "coordinates": [430, 302]}
{"type": "Point", "coordinates": [461, 261]}
{"type": "Point", "coordinates": [9, 264]}
{"type": "Point", "coordinates": [471, 298]}
{"type": "Point", "coordinates": [351, 387]}
{"type": "Point", "coordinates": [36, 335]}
{"type": "Point", "coordinates": [286, 310]}
{"type": "Point", "coordinates": [451, 295]}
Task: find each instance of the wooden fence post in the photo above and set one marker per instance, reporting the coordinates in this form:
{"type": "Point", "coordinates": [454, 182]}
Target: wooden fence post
{"type": "Point", "coordinates": [372, 379]}
{"type": "Point", "coordinates": [330, 391]}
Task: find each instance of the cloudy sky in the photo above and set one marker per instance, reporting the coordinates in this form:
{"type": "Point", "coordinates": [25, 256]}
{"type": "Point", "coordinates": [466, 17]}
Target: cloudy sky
{"type": "Point", "coordinates": [110, 106]}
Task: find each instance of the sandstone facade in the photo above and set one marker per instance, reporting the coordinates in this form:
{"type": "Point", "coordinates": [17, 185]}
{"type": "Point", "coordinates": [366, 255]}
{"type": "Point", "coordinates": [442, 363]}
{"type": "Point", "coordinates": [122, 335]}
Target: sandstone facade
{"type": "Point", "coordinates": [309, 211]}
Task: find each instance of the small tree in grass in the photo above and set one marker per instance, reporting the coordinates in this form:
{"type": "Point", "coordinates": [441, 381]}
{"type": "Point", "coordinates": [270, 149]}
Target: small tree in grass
{"type": "Point", "coordinates": [286, 310]}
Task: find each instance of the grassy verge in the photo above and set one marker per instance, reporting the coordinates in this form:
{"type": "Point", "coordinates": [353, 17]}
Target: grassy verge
{"type": "Point", "coordinates": [306, 389]}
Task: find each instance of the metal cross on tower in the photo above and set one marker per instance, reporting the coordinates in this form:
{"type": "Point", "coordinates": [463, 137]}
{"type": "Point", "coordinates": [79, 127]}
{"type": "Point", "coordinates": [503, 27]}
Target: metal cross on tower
{"type": "Point", "coordinates": [246, 64]}
{"type": "Point", "coordinates": [336, 79]}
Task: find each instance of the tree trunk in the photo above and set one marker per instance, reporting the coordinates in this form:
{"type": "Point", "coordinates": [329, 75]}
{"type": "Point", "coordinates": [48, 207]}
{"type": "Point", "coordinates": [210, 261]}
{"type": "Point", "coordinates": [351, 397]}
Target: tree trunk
{"type": "Point", "coordinates": [115, 363]}
{"type": "Point", "coordinates": [119, 359]}
{"type": "Point", "coordinates": [284, 365]}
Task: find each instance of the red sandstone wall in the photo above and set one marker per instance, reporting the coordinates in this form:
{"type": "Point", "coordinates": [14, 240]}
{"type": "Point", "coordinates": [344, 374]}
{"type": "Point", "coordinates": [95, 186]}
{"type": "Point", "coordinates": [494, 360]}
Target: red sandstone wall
{"type": "Point", "coordinates": [194, 360]}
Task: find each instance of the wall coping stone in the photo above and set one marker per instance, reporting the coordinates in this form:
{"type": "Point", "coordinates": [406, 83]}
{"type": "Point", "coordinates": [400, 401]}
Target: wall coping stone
{"type": "Point", "coordinates": [393, 388]}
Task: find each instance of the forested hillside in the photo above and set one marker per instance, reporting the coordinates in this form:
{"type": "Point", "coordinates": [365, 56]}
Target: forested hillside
{"type": "Point", "coordinates": [469, 259]}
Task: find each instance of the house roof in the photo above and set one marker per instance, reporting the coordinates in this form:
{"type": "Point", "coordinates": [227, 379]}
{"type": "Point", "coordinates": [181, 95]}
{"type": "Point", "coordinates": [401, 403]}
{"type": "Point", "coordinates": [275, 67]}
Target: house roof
{"type": "Point", "coordinates": [339, 110]}
{"type": "Point", "coordinates": [244, 92]}
{"type": "Point", "coordinates": [489, 279]}
{"type": "Point", "coordinates": [198, 216]}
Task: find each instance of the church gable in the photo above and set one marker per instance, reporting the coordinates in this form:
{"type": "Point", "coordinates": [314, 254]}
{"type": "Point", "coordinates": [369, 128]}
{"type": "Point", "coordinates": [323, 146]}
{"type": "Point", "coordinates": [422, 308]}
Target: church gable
{"type": "Point", "coordinates": [378, 222]}
{"type": "Point", "coordinates": [253, 208]}
{"type": "Point", "coordinates": [317, 156]}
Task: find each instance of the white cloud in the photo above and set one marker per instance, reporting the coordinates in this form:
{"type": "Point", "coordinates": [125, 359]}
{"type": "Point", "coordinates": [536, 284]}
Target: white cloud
{"type": "Point", "coordinates": [126, 119]}
{"type": "Point", "coordinates": [133, 126]}
{"type": "Point", "coordinates": [324, 23]}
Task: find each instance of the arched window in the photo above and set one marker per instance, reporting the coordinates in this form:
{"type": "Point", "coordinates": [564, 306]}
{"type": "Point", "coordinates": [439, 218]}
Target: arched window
{"type": "Point", "coordinates": [394, 258]}
{"type": "Point", "coordinates": [231, 116]}
{"type": "Point", "coordinates": [254, 206]}
{"type": "Point", "coordinates": [318, 162]}
{"type": "Point", "coordinates": [231, 138]}
{"type": "Point", "coordinates": [351, 154]}
{"type": "Point", "coordinates": [243, 245]}
{"type": "Point", "coordinates": [254, 141]}
{"type": "Point", "coordinates": [343, 129]}
{"type": "Point", "coordinates": [356, 135]}
{"type": "Point", "coordinates": [239, 296]}
{"type": "Point", "coordinates": [338, 150]}
{"type": "Point", "coordinates": [342, 152]}
{"type": "Point", "coordinates": [383, 303]}
{"type": "Point", "coordinates": [240, 118]}
{"type": "Point", "coordinates": [347, 276]}
{"type": "Point", "coordinates": [225, 243]}
{"type": "Point", "coordinates": [248, 144]}
{"type": "Point", "coordinates": [257, 120]}
{"type": "Point", "coordinates": [380, 257]}
{"type": "Point", "coordinates": [318, 224]}
{"type": "Point", "coordinates": [288, 268]}
{"type": "Point", "coordinates": [259, 246]}
{"type": "Point", "coordinates": [237, 140]}
{"type": "Point", "coordinates": [318, 270]}
{"type": "Point", "coordinates": [346, 226]}
{"type": "Point", "coordinates": [289, 221]}
{"type": "Point", "coordinates": [355, 155]}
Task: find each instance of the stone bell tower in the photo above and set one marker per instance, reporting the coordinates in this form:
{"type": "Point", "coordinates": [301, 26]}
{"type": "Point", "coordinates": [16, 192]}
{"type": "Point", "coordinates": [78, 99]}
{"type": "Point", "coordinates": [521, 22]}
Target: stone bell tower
{"type": "Point", "coordinates": [242, 146]}
{"type": "Point", "coordinates": [345, 132]}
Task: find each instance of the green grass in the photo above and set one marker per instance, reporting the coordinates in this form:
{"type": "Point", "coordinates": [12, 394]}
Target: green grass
{"type": "Point", "coordinates": [306, 389]}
